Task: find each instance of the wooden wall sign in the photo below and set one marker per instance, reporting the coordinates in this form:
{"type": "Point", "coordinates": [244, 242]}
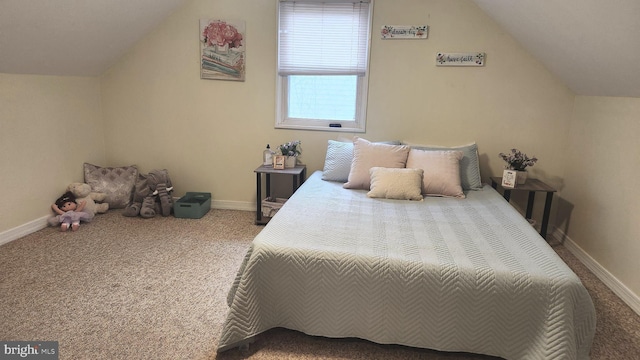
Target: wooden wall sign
{"type": "Point", "coordinates": [460, 59]}
{"type": "Point", "coordinates": [396, 32]}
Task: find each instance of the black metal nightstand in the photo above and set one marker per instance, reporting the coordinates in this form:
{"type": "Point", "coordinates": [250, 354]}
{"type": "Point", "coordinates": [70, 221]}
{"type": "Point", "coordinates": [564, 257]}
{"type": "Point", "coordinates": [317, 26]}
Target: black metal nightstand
{"type": "Point", "coordinates": [532, 186]}
{"type": "Point", "coordinates": [298, 173]}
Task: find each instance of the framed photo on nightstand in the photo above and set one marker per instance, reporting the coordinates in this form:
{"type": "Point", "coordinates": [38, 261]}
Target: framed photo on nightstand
{"type": "Point", "coordinates": [278, 162]}
{"type": "Point", "coordinates": [509, 179]}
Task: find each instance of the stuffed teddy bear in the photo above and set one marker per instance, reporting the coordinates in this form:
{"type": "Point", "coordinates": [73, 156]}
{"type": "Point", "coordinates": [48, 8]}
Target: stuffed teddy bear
{"type": "Point", "coordinates": [82, 192]}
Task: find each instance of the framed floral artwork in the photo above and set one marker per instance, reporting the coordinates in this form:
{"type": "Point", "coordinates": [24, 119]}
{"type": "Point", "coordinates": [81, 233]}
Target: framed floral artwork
{"type": "Point", "coordinates": [222, 49]}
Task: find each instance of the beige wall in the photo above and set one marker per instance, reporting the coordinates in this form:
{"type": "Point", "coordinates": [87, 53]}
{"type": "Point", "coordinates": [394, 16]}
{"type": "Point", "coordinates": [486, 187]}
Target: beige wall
{"type": "Point", "coordinates": [600, 199]}
{"type": "Point", "coordinates": [49, 126]}
{"type": "Point", "coordinates": [210, 134]}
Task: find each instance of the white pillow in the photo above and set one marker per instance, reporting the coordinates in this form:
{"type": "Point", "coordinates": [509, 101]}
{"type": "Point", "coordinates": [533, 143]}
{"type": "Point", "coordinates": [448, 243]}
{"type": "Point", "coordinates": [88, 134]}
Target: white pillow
{"type": "Point", "coordinates": [441, 171]}
{"type": "Point", "coordinates": [394, 183]}
{"type": "Point", "coordinates": [367, 155]}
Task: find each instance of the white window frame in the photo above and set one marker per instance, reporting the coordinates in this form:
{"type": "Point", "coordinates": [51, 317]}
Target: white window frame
{"type": "Point", "coordinates": [359, 125]}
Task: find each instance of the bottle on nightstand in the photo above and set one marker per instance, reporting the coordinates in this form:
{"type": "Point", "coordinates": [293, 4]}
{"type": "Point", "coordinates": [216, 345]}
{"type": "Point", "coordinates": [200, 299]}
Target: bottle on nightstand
{"type": "Point", "coordinates": [267, 156]}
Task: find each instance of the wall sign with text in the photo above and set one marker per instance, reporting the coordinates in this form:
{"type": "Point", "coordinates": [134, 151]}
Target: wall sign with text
{"type": "Point", "coordinates": [460, 59]}
{"type": "Point", "coordinates": [393, 32]}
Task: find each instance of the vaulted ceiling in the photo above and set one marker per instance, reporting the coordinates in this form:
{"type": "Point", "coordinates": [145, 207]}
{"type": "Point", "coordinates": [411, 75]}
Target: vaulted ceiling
{"type": "Point", "coordinates": [74, 37]}
{"type": "Point", "coordinates": [593, 46]}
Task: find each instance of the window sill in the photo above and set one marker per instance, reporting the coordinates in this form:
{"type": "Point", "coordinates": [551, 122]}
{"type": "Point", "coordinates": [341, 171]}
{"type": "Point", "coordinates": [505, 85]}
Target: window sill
{"type": "Point", "coordinates": [321, 128]}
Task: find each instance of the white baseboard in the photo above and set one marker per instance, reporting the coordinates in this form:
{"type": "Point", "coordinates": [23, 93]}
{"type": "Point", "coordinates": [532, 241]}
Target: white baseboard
{"type": "Point", "coordinates": [623, 292]}
{"type": "Point", "coordinates": [23, 230]}
{"type": "Point", "coordinates": [41, 223]}
{"type": "Point", "coordinates": [233, 205]}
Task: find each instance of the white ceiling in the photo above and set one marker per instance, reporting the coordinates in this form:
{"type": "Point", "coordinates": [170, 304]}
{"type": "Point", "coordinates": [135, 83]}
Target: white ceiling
{"type": "Point", "coordinates": [593, 46]}
{"type": "Point", "coordinates": [73, 37]}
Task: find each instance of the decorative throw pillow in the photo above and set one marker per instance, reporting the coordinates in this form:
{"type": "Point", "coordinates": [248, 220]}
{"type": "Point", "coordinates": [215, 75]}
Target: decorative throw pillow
{"type": "Point", "coordinates": [337, 163]}
{"type": "Point", "coordinates": [469, 164]}
{"type": "Point", "coordinates": [116, 182]}
{"type": "Point", "coordinates": [399, 184]}
{"type": "Point", "coordinates": [441, 171]}
{"type": "Point", "coordinates": [367, 155]}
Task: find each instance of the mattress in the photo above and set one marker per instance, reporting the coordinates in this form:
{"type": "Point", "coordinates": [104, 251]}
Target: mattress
{"type": "Point", "coordinates": [467, 275]}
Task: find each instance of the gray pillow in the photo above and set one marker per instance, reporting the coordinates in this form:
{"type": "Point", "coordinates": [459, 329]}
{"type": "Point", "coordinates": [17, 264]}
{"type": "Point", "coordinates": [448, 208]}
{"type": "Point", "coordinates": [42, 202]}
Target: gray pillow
{"type": "Point", "coordinates": [116, 182]}
{"type": "Point", "coordinates": [337, 163]}
{"type": "Point", "coordinates": [469, 165]}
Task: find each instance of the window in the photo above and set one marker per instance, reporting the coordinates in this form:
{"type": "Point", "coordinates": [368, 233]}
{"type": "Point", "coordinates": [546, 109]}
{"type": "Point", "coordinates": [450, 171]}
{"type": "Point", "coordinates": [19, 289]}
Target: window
{"type": "Point", "coordinates": [323, 57]}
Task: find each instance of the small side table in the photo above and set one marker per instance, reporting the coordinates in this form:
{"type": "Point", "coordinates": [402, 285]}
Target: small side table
{"type": "Point", "coordinates": [298, 173]}
{"type": "Point", "coordinates": [532, 186]}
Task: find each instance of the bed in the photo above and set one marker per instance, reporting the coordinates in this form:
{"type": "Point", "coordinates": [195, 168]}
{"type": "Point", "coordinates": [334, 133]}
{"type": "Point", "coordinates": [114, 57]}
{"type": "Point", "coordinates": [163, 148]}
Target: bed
{"type": "Point", "coordinates": [464, 274]}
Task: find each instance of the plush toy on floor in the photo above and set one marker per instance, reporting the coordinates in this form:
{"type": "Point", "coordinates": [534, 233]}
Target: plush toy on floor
{"type": "Point", "coordinates": [152, 195]}
{"type": "Point", "coordinates": [82, 192]}
{"type": "Point", "coordinates": [69, 213]}
{"type": "Point", "coordinates": [161, 188]}
{"type": "Point", "coordinates": [140, 191]}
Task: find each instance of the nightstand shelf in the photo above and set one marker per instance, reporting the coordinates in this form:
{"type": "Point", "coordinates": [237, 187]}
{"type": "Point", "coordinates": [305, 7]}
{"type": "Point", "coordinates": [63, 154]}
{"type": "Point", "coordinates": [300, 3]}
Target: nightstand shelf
{"type": "Point", "coordinates": [297, 173]}
{"type": "Point", "coordinates": [532, 186]}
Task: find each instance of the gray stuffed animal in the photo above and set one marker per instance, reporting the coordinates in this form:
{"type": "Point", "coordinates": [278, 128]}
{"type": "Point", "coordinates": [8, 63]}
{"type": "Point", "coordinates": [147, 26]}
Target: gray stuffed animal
{"type": "Point", "coordinates": [140, 192]}
{"type": "Point", "coordinates": [152, 195]}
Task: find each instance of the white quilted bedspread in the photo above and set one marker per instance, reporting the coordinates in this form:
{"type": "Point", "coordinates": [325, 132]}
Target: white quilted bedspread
{"type": "Point", "coordinates": [448, 274]}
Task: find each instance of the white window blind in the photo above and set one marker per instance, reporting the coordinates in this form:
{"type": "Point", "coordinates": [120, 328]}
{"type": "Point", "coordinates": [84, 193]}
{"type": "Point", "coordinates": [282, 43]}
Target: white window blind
{"type": "Point", "coordinates": [323, 37]}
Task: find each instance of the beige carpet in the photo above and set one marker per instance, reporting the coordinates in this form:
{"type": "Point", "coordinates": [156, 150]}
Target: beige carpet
{"type": "Point", "coordinates": [130, 288]}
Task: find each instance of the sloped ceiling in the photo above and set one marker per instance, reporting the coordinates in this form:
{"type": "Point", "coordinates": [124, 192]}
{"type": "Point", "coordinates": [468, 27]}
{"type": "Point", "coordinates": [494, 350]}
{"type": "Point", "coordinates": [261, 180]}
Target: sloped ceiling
{"type": "Point", "coordinates": [73, 37]}
{"type": "Point", "coordinates": [593, 46]}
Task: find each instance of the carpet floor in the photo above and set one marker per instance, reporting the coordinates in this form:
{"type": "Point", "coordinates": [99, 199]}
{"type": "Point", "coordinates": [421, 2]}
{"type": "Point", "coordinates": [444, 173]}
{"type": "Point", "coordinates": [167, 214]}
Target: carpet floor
{"type": "Point", "coordinates": [133, 288]}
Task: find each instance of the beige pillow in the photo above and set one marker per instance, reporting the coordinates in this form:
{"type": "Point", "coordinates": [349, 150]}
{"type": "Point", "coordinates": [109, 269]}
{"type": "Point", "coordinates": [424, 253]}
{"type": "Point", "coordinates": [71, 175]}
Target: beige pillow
{"type": "Point", "coordinates": [441, 171]}
{"type": "Point", "coordinates": [400, 184]}
{"type": "Point", "coordinates": [367, 155]}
